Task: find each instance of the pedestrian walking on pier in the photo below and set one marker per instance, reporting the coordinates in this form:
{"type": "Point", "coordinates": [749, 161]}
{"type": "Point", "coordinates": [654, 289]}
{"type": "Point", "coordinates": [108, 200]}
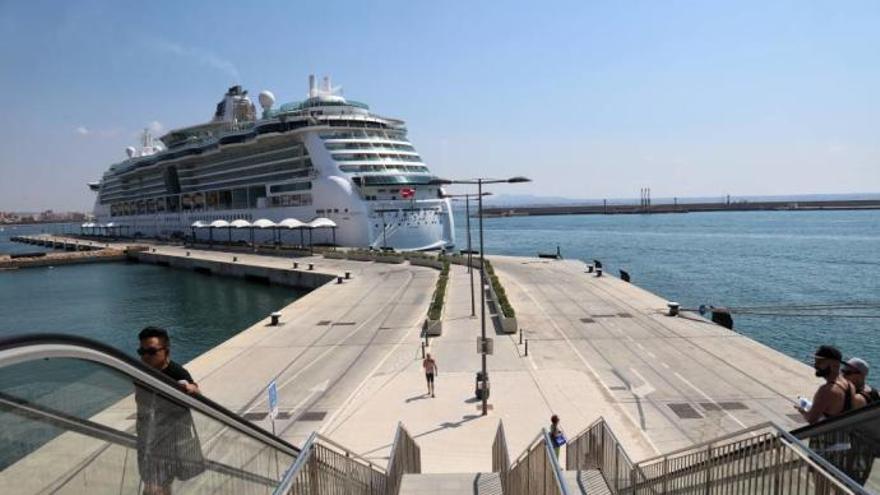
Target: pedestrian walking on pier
{"type": "Point", "coordinates": [430, 366]}
{"type": "Point", "coordinates": [557, 436]}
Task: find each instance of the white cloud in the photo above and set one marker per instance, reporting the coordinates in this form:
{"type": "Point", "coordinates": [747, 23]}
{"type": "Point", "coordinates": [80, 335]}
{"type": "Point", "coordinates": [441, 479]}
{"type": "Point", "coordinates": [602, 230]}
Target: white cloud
{"type": "Point", "coordinates": [201, 56]}
{"type": "Point", "coordinates": [96, 133]}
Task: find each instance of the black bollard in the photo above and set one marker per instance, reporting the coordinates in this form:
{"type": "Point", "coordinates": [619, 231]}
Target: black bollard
{"type": "Point", "coordinates": [295, 264]}
{"type": "Point", "coordinates": [423, 350]}
{"type": "Point", "coordinates": [520, 336]}
{"type": "Point", "coordinates": [338, 280]}
{"type": "Point", "coordinates": [311, 266]}
{"type": "Point", "coordinates": [598, 272]}
{"type": "Point", "coordinates": [624, 275]}
{"type": "Point", "coordinates": [527, 347]}
{"type": "Point", "coordinates": [347, 275]}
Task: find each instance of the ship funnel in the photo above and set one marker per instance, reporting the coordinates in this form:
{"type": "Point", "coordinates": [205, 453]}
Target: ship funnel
{"type": "Point", "coordinates": [312, 88]}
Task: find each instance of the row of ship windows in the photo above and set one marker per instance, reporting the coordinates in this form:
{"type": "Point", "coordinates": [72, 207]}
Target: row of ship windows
{"type": "Point", "coordinates": [369, 146]}
{"type": "Point", "coordinates": [289, 158]}
{"type": "Point", "coordinates": [383, 168]}
{"type": "Point", "coordinates": [159, 189]}
{"type": "Point", "coordinates": [290, 161]}
{"type": "Point", "coordinates": [360, 134]}
{"type": "Point", "coordinates": [376, 156]}
{"type": "Point", "coordinates": [244, 197]}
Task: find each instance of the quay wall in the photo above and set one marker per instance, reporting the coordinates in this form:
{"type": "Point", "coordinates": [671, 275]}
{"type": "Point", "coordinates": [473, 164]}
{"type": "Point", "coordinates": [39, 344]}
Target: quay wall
{"type": "Point", "coordinates": [301, 278]}
{"type": "Point", "coordinates": [619, 209]}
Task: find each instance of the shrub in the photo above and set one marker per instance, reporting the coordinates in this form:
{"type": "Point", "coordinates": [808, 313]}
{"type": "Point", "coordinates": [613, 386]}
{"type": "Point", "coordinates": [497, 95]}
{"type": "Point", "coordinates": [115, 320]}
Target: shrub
{"type": "Point", "coordinates": [506, 308]}
{"type": "Point", "coordinates": [436, 308]}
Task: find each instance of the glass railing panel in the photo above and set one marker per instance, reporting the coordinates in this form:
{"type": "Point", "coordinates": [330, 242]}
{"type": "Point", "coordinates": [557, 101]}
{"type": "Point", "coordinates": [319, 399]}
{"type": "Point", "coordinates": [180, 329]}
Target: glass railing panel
{"type": "Point", "coordinates": [76, 426]}
{"type": "Point", "coordinates": [851, 443]}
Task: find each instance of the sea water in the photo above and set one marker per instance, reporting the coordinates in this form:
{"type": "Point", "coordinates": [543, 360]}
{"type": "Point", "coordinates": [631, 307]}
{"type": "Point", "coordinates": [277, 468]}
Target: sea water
{"type": "Point", "coordinates": [735, 259]}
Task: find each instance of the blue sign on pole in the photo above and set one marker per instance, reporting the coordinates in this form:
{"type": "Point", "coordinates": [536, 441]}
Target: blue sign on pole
{"type": "Point", "coordinates": [273, 399]}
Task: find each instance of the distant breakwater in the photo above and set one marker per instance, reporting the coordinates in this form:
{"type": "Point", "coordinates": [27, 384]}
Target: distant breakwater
{"type": "Point", "coordinates": [624, 209]}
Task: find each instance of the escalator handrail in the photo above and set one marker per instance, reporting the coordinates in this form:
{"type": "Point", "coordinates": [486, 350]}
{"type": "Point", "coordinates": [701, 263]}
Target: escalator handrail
{"type": "Point", "coordinates": [843, 420]}
{"type": "Point", "coordinates": [15, 350]}
{"type": "Point", "coordinates": [89, 428]}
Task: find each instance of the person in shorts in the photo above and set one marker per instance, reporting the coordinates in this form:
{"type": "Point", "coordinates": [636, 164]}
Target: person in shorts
{"type": "Point", "coordinates": [158, 418]}
{"type": "Point", "coordinates": [430, 366]}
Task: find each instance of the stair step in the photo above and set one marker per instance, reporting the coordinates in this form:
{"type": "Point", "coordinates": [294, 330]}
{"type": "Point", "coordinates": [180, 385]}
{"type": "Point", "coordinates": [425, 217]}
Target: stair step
{"type": "Point", "coordinates": [586, 481]}
{"type": "Point", "coordinates": [451, 484]}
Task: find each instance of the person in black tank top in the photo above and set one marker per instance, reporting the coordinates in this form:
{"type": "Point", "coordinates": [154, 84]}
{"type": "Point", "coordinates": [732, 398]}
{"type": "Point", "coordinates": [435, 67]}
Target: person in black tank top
{"type": "Point", "coordinates": [833, 397]}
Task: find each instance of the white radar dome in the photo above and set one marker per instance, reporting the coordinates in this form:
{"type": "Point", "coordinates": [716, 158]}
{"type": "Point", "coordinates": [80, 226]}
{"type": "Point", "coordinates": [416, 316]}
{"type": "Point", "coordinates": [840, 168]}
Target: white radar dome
{"type": "Point", "coordinates": [130, 151]}
{"type": "Point", "coordinates": [267, 99]}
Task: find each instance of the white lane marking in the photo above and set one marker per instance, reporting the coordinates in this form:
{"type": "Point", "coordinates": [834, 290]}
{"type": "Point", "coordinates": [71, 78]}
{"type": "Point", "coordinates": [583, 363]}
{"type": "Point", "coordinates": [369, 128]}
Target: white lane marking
{"type": "Point", "coordinates": [316, 390]}
{"type": "Point", "coordinates": [710, 399]}
{"type": "Point", "coordinates": [360, 387]}
{"type": "Point", "coordinates": [532, 362]}
{"type": "Point", "coordinates": [644, 389]}
{"type": "Point", "coordinates": [360, 327]}
{"type": "Point", "coordinates": [587, 364]}
{"type": "Point", "coordinates": [664, 365]}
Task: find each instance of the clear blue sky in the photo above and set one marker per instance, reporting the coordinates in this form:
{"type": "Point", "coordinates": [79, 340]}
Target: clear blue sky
{"type": "Point", "coordinates": [589, 99]}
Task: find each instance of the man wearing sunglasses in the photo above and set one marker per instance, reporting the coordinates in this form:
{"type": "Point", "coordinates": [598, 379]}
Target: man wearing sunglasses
{"type": "Point", "coordinates": [168, 447]}
{"type": "Point", "coordinates": [836, 396]}
{"type": "Point", "coordinates": [155, 352]}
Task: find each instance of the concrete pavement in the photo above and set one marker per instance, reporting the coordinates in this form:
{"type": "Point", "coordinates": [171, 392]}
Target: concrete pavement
{"type": "Point", "coordinates": [678, 380]}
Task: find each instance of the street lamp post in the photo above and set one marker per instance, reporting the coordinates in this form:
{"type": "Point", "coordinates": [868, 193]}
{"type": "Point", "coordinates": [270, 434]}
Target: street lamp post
{"type": "Point", "coordinates": [479, 183]}
{"type": "Point", "coordinates": [467, 211]}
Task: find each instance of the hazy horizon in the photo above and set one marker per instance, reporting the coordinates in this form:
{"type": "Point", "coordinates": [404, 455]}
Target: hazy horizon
{"type": "Point", "coordinates": [588, 99]}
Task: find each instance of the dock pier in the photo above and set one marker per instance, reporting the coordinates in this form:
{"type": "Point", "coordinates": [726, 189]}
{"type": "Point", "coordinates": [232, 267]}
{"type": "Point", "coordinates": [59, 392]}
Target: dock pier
{"type": "Point", "coordinates": [347, 359]}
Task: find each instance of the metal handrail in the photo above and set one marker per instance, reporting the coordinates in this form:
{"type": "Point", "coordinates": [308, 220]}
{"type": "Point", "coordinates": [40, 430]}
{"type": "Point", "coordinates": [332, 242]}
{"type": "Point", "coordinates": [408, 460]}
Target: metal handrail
{"type": "Point", "coordinates": [521, 467]}
{"type": "Point", "coordinates": [554, 463]}
{"type": "Point", "coordinates": [290, 474]}
{"type": "Point", "coordinates": [405, 458]}
{"type": "Point", "coordinates": [308, 459]}
{"type": "Point", "coordinates": [715, 463]}
{"type": "Point", "coordinates": [92, 429]}
{"type": "Point", "coordinates": [704, 444]}
{"type": "Point", "coordinates": [803, 451]}
{"type": "Point", "coordinates": [32, 347]}
{"type": "Point", "coordinates": [501, 456]}
{"type": "Point", "coordinates": [348, 453]}
{"type": "Point", "coordinates": [837, 422]}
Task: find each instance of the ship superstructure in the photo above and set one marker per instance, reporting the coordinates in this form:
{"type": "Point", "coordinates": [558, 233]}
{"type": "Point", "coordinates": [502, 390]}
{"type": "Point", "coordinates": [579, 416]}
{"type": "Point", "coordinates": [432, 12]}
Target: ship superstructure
{"type": "Point", "coordinates": [325, 156]}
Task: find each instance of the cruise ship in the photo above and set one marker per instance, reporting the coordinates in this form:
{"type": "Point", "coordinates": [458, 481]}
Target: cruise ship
{"type": "Point", "coordinates": [325, 157]}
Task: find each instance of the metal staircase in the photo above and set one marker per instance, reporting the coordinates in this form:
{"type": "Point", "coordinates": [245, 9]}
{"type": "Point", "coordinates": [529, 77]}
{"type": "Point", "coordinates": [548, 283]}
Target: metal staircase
{"type": "Point", "coordinates": [77, 416]}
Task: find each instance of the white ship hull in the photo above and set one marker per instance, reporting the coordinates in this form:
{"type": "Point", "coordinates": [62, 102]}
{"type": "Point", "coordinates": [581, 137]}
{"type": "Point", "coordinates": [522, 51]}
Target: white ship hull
{"type": "Point", "coordinates": [321, 158]}
{"type": "Point", "coordinates": [409, 227]}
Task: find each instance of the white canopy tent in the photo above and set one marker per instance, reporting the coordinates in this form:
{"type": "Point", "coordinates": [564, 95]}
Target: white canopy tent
{"type": "Point", "coordinates": [322, 223]}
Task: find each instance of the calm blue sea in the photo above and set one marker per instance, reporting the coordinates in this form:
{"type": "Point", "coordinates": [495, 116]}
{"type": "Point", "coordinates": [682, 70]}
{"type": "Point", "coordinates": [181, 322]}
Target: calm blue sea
{"type": "Point", "coordinates": [111, 302]}
{"type": "Point", "coordinates": [735, 259]}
